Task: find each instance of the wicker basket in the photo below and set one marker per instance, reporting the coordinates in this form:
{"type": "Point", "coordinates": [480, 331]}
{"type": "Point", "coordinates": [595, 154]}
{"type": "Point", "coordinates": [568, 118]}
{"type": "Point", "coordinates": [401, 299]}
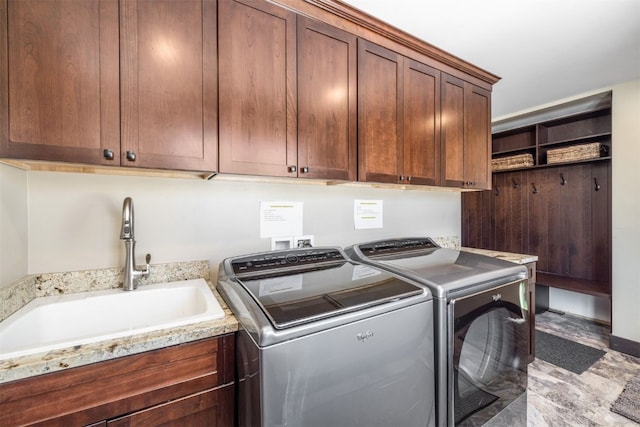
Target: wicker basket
{"type": "Point", "coordinates": [577, 152]}
{"type": "Point", "coordinates": [512, 162]}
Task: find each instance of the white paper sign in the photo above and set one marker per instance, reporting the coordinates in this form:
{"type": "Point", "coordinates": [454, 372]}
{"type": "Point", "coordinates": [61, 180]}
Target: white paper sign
{"type": "Point", "coordinates": [367, 214]}
{"type": "Point", "coordinates": [280, 219]}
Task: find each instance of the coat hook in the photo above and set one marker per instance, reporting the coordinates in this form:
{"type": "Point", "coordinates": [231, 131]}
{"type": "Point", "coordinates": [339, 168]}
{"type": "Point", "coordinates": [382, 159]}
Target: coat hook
{"type": "Point", "coordinates": [562, 180]}
{"type": "Point", "coordinates": [515, 184]}
{"type": "Point", "coordinates": [497, 191]}
{"type": "Point", "coordinates": [535, 190]}
{"type": "Point", "coordinates": [596, 185]}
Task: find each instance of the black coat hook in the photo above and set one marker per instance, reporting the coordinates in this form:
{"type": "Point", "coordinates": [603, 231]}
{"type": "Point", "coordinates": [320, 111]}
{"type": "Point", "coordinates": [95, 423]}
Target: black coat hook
{"type": "Point", "coordinates": [497, 191]}
{"type": "Point", "coordinates": [515, 184]}
{"type": "Point", "coordinates": [562, 180]}
{"type": "Point", "coordinates": [596, 185]}
{"type": "Point", "coordinates": [535, 190]}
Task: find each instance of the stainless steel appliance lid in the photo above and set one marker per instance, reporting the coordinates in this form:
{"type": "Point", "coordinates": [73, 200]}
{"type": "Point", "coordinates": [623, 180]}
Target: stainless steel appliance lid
{"type": "Point", "coordinates": [298, 286]}
{"type": "Point", "coordinates": [442, 270]}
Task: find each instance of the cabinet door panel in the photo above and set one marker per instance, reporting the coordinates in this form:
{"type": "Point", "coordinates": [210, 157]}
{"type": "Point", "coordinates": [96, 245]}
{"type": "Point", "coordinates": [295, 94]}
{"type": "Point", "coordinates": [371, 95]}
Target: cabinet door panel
{"type": "Point", "coordinates": [169, 89]}
{"type": "Point", "coordinates": [257, 81]}
{"type": "Point", "coordinates": [62, 78]}
{"type": "Point", "coordinates": [327, 102]}
{"type": "Point", "coordinates": [477, 144]}
{"type": "Point", "coordinates": [210, 408]}
{"type": "Point", "coordinates": [453, 100]}
{"type": "Point", "coordinates": [379, 113]}
{"type": "Point", "coordinates": [421, 118]}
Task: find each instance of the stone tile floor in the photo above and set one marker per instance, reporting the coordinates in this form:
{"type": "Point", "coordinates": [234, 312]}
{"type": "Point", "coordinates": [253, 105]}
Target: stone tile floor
{"type": "Point", "coordinates": [557, 397]}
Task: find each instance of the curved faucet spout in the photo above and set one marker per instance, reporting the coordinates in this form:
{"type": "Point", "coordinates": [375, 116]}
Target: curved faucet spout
{"type": "Point", "coordinates": [126, 232]}
{"type": "Point", "coordinates": [131, 272]}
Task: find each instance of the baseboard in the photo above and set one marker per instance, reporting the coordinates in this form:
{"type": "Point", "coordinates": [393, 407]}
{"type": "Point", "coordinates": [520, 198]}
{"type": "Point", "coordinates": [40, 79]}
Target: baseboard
{"type": "Point", "coordinates": [624, 345]}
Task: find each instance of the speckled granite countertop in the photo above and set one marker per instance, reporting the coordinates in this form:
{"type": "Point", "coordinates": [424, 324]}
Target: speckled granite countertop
{"type": "Point", "coordinates": [23, 291]}
{"type": "Point", "coordinates": [507, 256]}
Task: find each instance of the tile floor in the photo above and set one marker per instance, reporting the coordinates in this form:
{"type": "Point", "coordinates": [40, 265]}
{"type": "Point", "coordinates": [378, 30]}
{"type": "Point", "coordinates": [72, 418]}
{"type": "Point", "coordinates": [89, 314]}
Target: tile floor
{"type": "Point", "coordinates": [557, 397]}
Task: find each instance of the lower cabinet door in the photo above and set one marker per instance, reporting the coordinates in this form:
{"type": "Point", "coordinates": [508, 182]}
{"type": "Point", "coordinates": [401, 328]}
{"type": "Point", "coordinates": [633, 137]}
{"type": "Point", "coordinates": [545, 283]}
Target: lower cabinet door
{"type": "Point", "coordinates": [209, 408]}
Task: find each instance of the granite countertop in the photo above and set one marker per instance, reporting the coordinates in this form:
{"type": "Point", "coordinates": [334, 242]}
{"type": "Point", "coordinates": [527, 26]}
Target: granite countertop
{"type": "Point", "coordinates": [507, 256]}
{"type": "Point", "coordinates": [25, 290]}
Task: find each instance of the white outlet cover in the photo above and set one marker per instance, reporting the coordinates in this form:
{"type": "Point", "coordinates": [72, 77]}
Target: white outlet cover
{"type": "Point", "coordinates": [281, 243]}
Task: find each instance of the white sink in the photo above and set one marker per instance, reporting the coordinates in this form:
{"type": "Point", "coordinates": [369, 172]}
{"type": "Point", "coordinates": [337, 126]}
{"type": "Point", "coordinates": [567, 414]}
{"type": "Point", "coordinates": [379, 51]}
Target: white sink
{"type": "Point", "coordinates": [56, 322]}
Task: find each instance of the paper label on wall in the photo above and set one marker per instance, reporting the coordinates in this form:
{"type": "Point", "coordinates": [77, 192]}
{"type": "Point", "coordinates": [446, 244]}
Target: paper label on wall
{"type": "Point", "coordinates": [367, 214]}
{"type": "Point", "coordinates": [280, 219]}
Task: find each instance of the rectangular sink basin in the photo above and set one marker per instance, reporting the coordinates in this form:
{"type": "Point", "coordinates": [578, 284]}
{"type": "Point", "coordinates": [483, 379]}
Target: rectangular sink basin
{"type": "Point", "coordinates": [61, 321]}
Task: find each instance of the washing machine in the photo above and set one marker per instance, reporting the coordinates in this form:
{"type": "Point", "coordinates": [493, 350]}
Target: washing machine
{"type": "Point", "coordinates": [328, 341]}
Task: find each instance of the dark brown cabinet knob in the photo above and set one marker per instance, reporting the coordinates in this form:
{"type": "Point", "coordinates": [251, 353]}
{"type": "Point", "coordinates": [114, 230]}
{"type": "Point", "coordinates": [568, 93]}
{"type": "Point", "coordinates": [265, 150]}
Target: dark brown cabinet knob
{"type": "Point", "coordinates": [131, 156]}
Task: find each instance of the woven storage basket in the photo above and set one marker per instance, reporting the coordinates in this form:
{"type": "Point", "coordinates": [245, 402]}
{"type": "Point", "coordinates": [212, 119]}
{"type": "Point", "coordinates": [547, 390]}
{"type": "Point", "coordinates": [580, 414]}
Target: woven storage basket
{"type": "Point", "coordinates": [512, 162]}
{"type": "Point", "coordinates": [577, 152]}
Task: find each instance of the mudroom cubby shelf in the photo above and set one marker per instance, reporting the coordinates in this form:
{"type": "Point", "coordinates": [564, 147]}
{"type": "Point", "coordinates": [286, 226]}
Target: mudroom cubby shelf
{"type": "Point", "coordinates": [559, 207]}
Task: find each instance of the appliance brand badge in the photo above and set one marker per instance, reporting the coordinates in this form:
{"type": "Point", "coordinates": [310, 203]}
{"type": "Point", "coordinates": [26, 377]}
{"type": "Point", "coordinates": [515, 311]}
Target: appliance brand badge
{"type": "Point", "coordinates": [497, 297]}
{"type": "Point", "coordinates": [362, 337]}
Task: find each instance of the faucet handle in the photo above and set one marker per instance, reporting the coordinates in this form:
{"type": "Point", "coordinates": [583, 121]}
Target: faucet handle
{"type": "Point", "coordinates": [145, 272]}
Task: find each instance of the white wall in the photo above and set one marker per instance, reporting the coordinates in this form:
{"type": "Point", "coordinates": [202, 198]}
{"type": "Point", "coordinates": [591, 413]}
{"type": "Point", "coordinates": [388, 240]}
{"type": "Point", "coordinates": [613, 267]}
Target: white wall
{"type": "Point", "coordinates": [626, 210]}
{"type": "Point", "coordinates": [74, 219]}
{"type": "Point", "coordinates": [13, 224]}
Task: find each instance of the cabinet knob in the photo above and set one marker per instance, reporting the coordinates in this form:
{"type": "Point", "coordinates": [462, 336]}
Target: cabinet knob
{"type": "Point", "coordinates": [292, 168]}
{"type": "Point", "coordinates": [304, 169]}
{"type": "Point", "coordinates": [409, 178]}
{"type": "Point", "coordinates": [131, 156]}
{"type": "Point", "coordinates": [401, 177]}
{"type": "Point", "coordinates": [108, 154]}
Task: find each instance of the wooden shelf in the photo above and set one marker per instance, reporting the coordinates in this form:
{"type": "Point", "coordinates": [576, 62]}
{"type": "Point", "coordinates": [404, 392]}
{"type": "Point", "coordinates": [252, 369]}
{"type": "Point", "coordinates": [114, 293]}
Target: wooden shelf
{"type": "Point", "coordinates": [590, 287]}
{"type": "Point", "coordinates": [576, 140]}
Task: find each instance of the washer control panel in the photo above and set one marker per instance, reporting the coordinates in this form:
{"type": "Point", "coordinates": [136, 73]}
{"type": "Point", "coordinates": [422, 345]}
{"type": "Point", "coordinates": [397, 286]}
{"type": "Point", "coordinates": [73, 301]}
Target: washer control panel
{"type": "Point", "coordinates": [283, 259]}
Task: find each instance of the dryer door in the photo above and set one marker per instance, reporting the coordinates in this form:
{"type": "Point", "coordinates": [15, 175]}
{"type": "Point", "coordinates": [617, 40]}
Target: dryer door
{"type": "Point", "coordinates": [488, 355]}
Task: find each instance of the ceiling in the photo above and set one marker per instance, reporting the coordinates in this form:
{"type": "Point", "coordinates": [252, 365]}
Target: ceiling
{"type": "Point", "coordinates": [544, 50]}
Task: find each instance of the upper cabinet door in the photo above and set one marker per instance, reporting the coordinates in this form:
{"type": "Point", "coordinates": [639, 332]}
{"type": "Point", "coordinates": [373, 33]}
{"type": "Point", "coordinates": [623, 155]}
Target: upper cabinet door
{"type": "Point", "coordinates": [380, 128]}
{"type": "Point", "coordinates": [59, 62]}
{"type": "Point", "coordinates": [169, 86]}
{"type": "Point", "coordinates": [421, 124]}
{"type": "Point", "coordinates": [327, 101]}
{"type": "Point", "coordinates": [477, 143]}
{"type": "Point", "coordinates": [466, 134]}
{"type": "Point", "coordinates": [257, 80]}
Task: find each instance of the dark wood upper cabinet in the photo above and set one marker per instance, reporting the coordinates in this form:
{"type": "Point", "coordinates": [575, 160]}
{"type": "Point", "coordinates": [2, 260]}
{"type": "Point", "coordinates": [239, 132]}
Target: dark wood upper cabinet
{"type": "Point", "coordinates": [399, 118]}
{"type": "Point", "coordinates": [59, 63]}
{"type": "Point", "coordinates": [168, 72]}
{"type": "Point", "coordinates": [380, 87]}
{"type": "Point", "coordinates": [466, 134]}
{"type": "Point", "coordinates": [421, 121]}
{"type": "Point", "coordinates": [257, 80]}
{"type": "Point", "coordinates": [327, 101]}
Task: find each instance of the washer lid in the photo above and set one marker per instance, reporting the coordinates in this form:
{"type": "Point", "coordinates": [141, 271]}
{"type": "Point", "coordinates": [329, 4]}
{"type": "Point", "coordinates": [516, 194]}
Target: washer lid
{"type": "Point", "coordinates": [299, 286]}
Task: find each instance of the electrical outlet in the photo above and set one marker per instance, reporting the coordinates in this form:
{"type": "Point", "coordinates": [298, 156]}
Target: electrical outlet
{"type": "Point", "coordinates": [303, 241]}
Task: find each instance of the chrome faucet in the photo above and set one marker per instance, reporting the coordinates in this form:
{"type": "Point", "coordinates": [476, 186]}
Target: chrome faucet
{"type": "Point", "coordinates": [131, 272]}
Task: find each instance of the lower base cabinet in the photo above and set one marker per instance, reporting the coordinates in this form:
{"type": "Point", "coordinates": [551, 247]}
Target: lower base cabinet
{"type": "Point", "coordinates": [188, 384]}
